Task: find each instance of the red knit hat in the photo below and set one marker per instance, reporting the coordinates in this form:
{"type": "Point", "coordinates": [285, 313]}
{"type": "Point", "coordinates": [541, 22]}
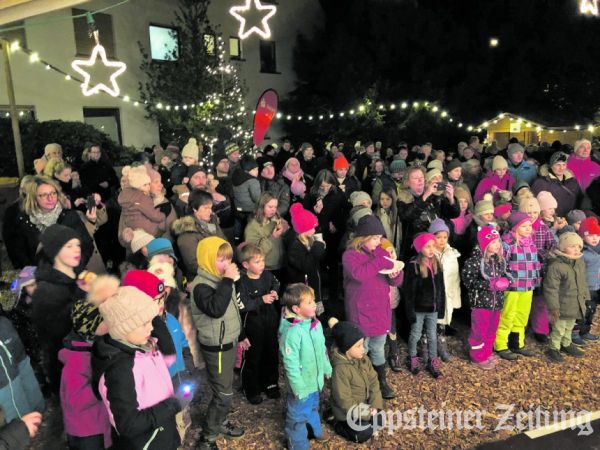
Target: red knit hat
{"type": "Point", "coordinates": [589, 226]}
{"type": "Point", "coordinates": [421, 241]}
{"type": "Point", "coordinates": [500, 210]}
{"type": "Point", "coordinates": [340, 163]}
{"type": "Point", "coordinates": [302, 220]}
{"type": "Point", "coordinates": [146, 282]}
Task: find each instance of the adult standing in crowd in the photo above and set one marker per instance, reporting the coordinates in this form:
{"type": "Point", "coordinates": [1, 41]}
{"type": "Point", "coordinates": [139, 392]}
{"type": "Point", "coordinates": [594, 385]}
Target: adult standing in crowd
{"type": "Point", "coordinates": [560, 182]}
{"type": "Point", "coordinates": [97, 174]}
{"type": "Point", "coordinates": [581, 165]}
{"type": "Point", "coordinates": [273, 183]}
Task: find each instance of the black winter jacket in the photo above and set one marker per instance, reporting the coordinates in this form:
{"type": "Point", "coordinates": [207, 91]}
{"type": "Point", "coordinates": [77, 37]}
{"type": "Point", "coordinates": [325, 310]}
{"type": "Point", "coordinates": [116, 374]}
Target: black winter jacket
{"type": "Point", "coordinates": [478, 287]}
{"type": "Point", "coordinates": [303, 265]}
{"type": "Point", "coordinates": [423, 295]}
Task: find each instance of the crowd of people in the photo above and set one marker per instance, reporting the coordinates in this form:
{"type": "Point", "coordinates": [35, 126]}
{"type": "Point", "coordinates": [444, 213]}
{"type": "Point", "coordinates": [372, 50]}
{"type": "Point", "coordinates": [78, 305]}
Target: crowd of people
{"type": "Point", "coordinates": [236, 261]}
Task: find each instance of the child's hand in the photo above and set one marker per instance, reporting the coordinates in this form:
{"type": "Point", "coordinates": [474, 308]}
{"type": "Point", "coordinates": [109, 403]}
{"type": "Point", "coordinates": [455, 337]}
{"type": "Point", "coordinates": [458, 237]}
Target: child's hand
{"type": "Point", "coordinates": [275, 294]}
{"type": "Point", "coordinates": [245, 344]}
{"type": "Point", "coordinates": [32, 422]}
{"type": "Point", "coordinates": [268, 298]}
{"type": "Point", "coordinates": [554, 315]}
{"type": "Point", "coordinates": [394, 274]}
{"type": "Point", "coordinates": [559, 223]}
{"type": "Point", "coordinates": [318, 207]}
{"type": "Point", "coordinates": [232, 272]}
{"type": "Point", "coordinates": [373, 411]}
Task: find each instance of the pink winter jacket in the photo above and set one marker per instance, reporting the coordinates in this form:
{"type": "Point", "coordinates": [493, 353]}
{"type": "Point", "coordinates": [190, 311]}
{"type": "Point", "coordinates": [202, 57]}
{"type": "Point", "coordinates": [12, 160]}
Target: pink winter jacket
{"type": "Point", "coordinates": [138, 211]}
{"type": "Point", "coordinates": [84, 415]}
{"type": "Point", "coordinates": [485, 185]}
{"type": "Point", "coordinates": [584, 170]}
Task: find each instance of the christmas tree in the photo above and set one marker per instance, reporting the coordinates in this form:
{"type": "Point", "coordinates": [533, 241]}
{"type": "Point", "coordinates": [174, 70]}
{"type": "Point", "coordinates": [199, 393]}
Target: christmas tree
{"type": "Point", "coordinates": [196, 92]}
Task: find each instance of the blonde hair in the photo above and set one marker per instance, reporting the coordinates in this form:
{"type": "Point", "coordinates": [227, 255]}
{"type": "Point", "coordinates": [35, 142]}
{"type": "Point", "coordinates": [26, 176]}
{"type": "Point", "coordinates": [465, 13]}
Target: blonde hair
{"type": "Point", "coordinates": [357, 242]}
{"type": "Point", "coordinates": [30, 204]}
{"type": "Point", "coordinates": [306, 240]}
{"type": "Point", "coordinates": [424, 267]}
{"type": "Point", "coordinates": [225, 251]}
{"type": "Point", "coordinates": [247, 251]}
{"type": "Point", "coordinates": [581, 142]}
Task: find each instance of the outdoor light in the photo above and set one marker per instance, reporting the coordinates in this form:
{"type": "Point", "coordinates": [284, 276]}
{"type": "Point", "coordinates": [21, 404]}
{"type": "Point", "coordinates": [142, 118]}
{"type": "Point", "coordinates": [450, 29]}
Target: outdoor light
{"type": "Point", "coordinates": [238, 11]}
{"type": "Point", "coordinates": [434, 109]}
{"type": "Point", "coordinates": [34, 57]}
{"type": "Point", "coordinates": [501, 115]}
{"type": "Point", "coordinates": [351, 112]}
{"type": "Point", "coordinates": [538, 129]}
{"type": "Point", "coordinates": [588, 7]}
{"type": "Point", "coordinates": [15, 46]}
{"type": "Point", "coordinates": [79, 66]}
{"type": "Point", "coordinates": [67, 77]}
{"type": "Point", "coordinates": [47, 67]}
{"type": "Point", "coordinates": [404, 105]}
{"type": "Point", "coordinates": [278, 115]}
{"type": "Point", "coordinates": [486, 124]}
{"type": "Point", "coordinates": [591, 128]}
{"type": "Point", "coordinates": [494, 42]}
{"type": "Point", "coordinates": [135, 103]}
{"type": "Point", "coordinates": [361, 108]}
{"type": "Point", "coordinates": [444, 114]}
{"type": "Point", "coordinates": [392, 106]}
{"type": "Point", "coordinates": [159, 105]}
{"type": "Point", "coordinates": [577, 127]}
{"type": "Point", "coordinates": [416, 104]}
{"type": "Point", "coordinates": [126, 98]}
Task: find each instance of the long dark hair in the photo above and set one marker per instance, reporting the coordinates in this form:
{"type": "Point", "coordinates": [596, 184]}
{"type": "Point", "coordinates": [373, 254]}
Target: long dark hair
{"type": "Point", "coordinates": [326, 176]}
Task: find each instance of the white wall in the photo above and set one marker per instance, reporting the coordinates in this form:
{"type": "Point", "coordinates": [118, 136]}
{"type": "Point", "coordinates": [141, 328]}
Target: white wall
{"type": "Point", "coordinates": [55, 98]}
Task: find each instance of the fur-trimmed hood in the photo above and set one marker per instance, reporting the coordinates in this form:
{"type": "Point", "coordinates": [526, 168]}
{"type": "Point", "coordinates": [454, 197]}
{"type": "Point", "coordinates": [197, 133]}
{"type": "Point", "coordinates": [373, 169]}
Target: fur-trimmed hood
{"type": "Point", "coordinates": [188, 224]}
{"type": "Point", "coordinates": [545, 172]}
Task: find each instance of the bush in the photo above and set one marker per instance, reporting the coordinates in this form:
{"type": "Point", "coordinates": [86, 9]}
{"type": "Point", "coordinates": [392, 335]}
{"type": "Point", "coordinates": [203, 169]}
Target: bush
{"type": "Point", "coordinates": [72, 136]}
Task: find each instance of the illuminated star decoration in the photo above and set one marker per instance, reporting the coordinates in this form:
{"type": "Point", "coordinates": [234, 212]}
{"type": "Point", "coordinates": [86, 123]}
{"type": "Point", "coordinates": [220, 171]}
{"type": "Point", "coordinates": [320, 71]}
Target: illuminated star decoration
{"type": "Point", "coordinates": [589, 7]}
{"type": "Point", "coordinates": [238, 11]}
{"type": "Point", "coordinates": [85, 87]}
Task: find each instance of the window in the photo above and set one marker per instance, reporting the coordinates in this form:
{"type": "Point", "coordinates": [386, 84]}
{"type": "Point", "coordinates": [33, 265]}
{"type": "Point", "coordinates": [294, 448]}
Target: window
{"type": "Point", "coordinates": [24, 111]}
{"type": "Point", "coordinates": [106, 120]}
{"type": "Point", "coordinates": [15, 35]}
{"type": "Point", "coordinates": [235, 48]}
{"type": "Point", "coordinates": [164, 43]}
{"type": "Point", "coordinates": [210, 43]}
{"type": "Point", "coordinates": [268, 60]}
{"type": "Point", "coordinates": [84, 43]}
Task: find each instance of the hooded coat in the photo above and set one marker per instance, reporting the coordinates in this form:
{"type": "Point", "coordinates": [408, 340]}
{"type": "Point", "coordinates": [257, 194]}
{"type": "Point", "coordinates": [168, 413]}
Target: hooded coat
{"type": "Point", "coordinates": [567, 192]}
{"type": "Point", "coordinates": [138, 211]}
{"type": "Point", "coordinates": [565, 285]}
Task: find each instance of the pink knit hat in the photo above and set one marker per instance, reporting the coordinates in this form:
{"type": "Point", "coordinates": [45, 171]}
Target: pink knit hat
{"type": "Point", "coordinates": [485, 236]}
{"type": "Point", "coordinates": [546, 200]}
{"type": "Point", "coordinates": [500, 210]}
{"type": "Point", "coordinates": [302, 220]}
{"type": "Point", "coordinates": [517, 219]}
{"type": "Point", "coordinates": [421, 241]}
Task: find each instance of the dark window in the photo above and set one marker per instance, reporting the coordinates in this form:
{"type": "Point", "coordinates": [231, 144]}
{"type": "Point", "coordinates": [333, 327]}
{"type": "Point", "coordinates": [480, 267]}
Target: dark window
{"type": "Point", "coordinates": [24, 111]}
{"type": "Point", "coordinates": [84, 43]}
{"type": "Point", "coordinates": [15, 35]}
{"type": "Point", "coordinates": [235, 48]}
{"type": "Point", "coordinates": [268, 59]}
{"type": "Point", "coordinates": [106, 120]}
{"type": "Point", "coordinates": [164, 43]}
{"type": "Point", "coordinates": [210, 44]}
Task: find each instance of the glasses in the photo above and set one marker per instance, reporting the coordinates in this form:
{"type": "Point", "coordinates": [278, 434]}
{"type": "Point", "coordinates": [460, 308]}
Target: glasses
{"type": "Point", "coordinates": [48, 195]}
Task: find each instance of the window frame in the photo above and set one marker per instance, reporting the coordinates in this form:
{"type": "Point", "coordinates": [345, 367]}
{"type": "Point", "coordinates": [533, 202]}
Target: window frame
{"type": "Point", "coordinates": [111, 52]}
{"type": "Point", "coordinates": [104, 112]}
{"type": "Point", "coordinates": [163, 61]}
{"type": "Point", "coordinates": [273, 45]}
{"type": "Point", "coordinates": [239, 57]}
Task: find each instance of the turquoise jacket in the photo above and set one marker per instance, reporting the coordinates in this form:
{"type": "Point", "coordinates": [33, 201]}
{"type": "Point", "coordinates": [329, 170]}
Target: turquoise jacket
{"type": "Point", "coordinates": [302, 347]}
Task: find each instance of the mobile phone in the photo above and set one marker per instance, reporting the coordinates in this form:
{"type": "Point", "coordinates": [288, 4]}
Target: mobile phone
{"type": "Point", "coordinates": [90, 202]}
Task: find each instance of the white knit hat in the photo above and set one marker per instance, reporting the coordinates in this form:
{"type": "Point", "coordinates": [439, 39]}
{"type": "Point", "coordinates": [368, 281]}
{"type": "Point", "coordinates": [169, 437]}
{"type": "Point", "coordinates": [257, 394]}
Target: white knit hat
{"type": "Point", "coordinates": [140, 239]}
{"type": "Point", "coordinates": [164, 272]}
{"type": "Point", "coordinates": [191, 149]}
{"type": "Point", "coordinates": [138, 177]}
{"type": "Point", "coordinates": [129, 309]}
{"type": "Point", "coordinates": [546, 200]}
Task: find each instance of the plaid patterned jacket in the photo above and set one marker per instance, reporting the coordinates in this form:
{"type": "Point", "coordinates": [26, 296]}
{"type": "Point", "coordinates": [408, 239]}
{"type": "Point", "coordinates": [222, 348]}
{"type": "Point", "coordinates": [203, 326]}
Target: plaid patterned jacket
{"type": "Point", "coordinates": [544, 241]}
{"type": "Point", "coordinates": [523, 263]}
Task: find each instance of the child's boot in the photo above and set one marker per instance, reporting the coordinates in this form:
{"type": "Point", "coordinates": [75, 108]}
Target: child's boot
{"type": "Point", "coordinates": [434, 367]}
{"type": "Point", "coordinates": [554, 355]}
{"type": "Point", "coordinates": [572, 350]}
{"type": "Point", "coordinates": [394, 356]}
{"type": "Point", "coordinates": [386, 390]}
{"type": "Point", "coordinates": [414, 364]}
{"type": "Point", "coordinates": [424, 349]}
{"type": "Point", "coordinates": [442, 344]}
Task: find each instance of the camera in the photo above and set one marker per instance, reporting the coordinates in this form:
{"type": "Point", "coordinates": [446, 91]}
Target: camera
{"type": "Point", "coordinates": [90, 202]}
{"type": "Point", "coordinates": [441, 186]}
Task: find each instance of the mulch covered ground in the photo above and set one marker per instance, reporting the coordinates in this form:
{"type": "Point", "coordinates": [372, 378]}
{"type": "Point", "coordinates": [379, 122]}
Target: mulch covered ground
{"type": "Point", "coordinates": [527, 384]}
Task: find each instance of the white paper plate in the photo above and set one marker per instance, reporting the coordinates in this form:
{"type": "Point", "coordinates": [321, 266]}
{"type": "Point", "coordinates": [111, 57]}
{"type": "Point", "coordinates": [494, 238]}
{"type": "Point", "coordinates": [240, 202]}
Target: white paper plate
{"type": "Point", "coordinates": [398, 266]}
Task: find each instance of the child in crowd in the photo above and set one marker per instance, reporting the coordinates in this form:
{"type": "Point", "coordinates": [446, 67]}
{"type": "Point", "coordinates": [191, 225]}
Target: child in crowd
{"type": "Point", "coordinates": [485, 277]}
{"type": "Point", "coordinates": [137, 241]}
{"type": "Point", "coordinates": [361, 206]}
{"type": "Point", "coordinates": [424, 297]}
{"type": "Point", "coordinates": [215, 311]}
{"type": "Point", "coordinates": [304, 252]}
{"type": "Point", "coordinates": [548, 205]}
{"type": "Point", "coordinates": [589, 231]}
{"type": "Point", "coordinates": [387, 211]}
{"type": "Point", "coordinates": [258, 290]}
{"type": "Point", "coordinates": [304, 356]}
{"type": "Point", "coordinates": [501, 214]}
{"type": "Point", "coordinates": [462, 222]}
{"type": "Point", "coordinates": [354, 382]}
{"type": "Point", "coordinates": [393, 355]}
{"type": "Point", "coordinates": [566, 291]}
{"type": "Point", "coordinates": [160, 250]}
{"type": "Point", "coordinates": [132, 376]}
{"type": "Point", "coordinates": [367, 291]}
{"type": "Point", "coordinates": [522, 258]}
{"type": "Point", "coordinates": [545, 242]}
{"type": "Point", "coordinates": [448, 258]}
{"type": "Point", "coordinates": [137, 207]}
{"type": "Point", "coordinates": [86, 420]}
{"type": "Point", "coordinates": [574, 219]}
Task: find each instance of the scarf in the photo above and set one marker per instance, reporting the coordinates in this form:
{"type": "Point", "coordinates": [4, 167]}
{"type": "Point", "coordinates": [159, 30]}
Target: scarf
{"type": "Point", "coordinates": [44, 220]}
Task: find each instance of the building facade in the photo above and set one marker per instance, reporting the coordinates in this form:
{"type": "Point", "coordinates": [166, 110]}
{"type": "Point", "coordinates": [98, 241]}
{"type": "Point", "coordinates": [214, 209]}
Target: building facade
{"type": "Point", "coordinates": [48, 95]}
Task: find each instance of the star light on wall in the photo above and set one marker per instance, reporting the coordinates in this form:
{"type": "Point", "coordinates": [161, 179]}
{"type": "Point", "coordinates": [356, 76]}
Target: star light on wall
{"type": "Point", "coordinates": [79, 66]}
{"type": "Point", "coordinates": [251, 6]}
{"type": "Point", "coordinates": [588, 7]}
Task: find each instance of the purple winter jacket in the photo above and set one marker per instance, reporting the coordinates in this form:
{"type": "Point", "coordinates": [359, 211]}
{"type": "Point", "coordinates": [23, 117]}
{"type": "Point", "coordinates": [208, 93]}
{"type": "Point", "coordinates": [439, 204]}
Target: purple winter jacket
{"type": "Point", "coordinates": [367, 292]}
{"type": "Point", "coordinates": [485, 185]}
{"type": "Point", "coordinates": [84, 415]}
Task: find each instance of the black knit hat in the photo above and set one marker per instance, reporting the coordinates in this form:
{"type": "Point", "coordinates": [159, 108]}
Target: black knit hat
{"type": "Point", "coordinates": [248, 163]}
{"type": "Point", "coordinates": [454, 164]}
{"type": "Point", "coordinates": [369, 225]}
{"type": "Point", "coordinates": [345, 334]}
{"type": "Point", "coordinates": [192, 170]}
{"type": "Point", "coordinates": [218, 157]}
{"type": "Point", "coordinates": [263, 162]}
{"type": "Point", "coordinates": [55, 237]}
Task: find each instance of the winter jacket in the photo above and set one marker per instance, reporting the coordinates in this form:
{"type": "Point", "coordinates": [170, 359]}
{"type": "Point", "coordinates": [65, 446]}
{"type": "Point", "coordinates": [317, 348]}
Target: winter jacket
{"type": "Point", "coordinates": [19, 390]}
{"type": "Point", "coordinates": [137, 211]}
{"type": "Point", "coordinates": [83, 414]}
{"type": "Point", "coordinates": [262, 235]}
{"type": "Point", "coordinates": [423, 295]}
{"type": "Point", "coordinates": [280, 190]}
{"type": "Point", "coordinates": [485, 185]}
{"type": "Point", "coordinates": [449, 261]}
{"type": "Point", "coordinates": [544, 240]}
{"type": "Point", "coordinates": [348, 185]}
{"type": "Point", "coordinates": [296, 183]}
{"type": "Point", "coordinates": [92, 173]}
{"type": "Point", "coordinates": [303, 264]}
{"type": "Point", "coordinates": [523, 262]}
{"type": "Point", "coordinates": [591, 257]}
{"type": "Point", "coordinates": [23, 238]}
{"type": "Point", "coordinates": [304, 355]}
{"type": "Point", "coordinates": [565, 285]}
{"type": "Point", "coordinates": [478, 287]}
{"type": "Point", "coordinates": [310, 169]}
{"type": "Point", "coordinates": [353, 381]}
{"type": "Point", "coordinates": [525, 171]}
{"type": "Point", "coordinates": [566, 192]}
{"type": "Point", "coordinates": [14, 435]}
{"type": "Point", "coordinates": [215, 312]}
{"type": "Point", "coordinates": [335, 212]}
{"type": "Point", "coordinates": [367, 292]}
{"type": "Point", "coordinates": [252, 291]}
{"type": "Point", "coordinates": [187, 232]}
{"type": "Point", "coordinates": [584, 170]}
{"type": "Point", "coordinates": [392, 226]}
{"type": "Point", "coordinates": [136, 389]}
{"type": "Point", "coordinates": [379, 183]}
{"type": "Point", "coordinates": [246, 191]}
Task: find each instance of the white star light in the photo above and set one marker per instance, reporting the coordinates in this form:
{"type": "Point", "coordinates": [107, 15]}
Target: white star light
{"type": "Point", "coordinates": [85, 87]}
{"type": "Point", "coordinates": [589, 7]}
{"type": "Point", "coordinates": [265, 31]}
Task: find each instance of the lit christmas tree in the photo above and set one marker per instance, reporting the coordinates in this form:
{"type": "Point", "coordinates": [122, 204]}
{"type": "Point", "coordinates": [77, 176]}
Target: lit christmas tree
{"type": "Point", "coordinates": [195, 92]}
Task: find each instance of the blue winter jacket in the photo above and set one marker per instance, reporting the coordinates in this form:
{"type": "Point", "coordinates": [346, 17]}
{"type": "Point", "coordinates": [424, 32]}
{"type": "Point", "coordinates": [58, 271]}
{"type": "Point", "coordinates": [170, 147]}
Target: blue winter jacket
{"type": "Point", "coordinates": [591, 257]}
{"type": "Point", "coordinates": [525, 171]}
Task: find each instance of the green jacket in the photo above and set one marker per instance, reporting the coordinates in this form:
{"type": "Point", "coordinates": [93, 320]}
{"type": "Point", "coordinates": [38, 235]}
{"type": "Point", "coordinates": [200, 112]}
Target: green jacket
{"type": "Point", "coordinates": [305, 360]}
{"type": "Point", "coordinates": [262, 235]}
{"type": "Point", "coordinates": [565, 285]}
{"type": "Point", "coordinates": [353, 382]}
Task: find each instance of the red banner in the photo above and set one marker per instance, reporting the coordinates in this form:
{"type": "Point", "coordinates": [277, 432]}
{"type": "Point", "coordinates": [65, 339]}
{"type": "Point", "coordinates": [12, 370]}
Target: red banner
{"type": "Point", "coordinates": [266, 108]}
